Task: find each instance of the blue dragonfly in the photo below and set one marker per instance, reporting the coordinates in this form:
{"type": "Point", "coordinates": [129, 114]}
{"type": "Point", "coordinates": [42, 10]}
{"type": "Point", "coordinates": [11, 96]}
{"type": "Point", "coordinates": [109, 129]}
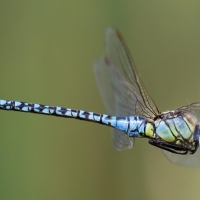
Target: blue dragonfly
{"type": "Point", "coordinates": [131, 111]}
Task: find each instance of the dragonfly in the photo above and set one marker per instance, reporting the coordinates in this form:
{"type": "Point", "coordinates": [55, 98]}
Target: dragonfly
{"type": "Point", "coordinates": [131, 111]}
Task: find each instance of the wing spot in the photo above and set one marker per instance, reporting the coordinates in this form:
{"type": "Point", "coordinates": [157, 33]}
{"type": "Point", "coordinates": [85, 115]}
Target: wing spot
{"type": "Point", "coordinates": [119, 36]}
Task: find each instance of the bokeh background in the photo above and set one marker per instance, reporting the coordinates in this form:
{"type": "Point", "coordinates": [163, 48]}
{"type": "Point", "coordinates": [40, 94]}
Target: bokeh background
{"type": "Point", "coordinates": [47, 50]}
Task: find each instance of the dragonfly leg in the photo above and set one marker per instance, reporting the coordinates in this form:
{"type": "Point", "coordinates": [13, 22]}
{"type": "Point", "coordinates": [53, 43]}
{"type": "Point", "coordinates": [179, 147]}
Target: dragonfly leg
{"type": "Point", "coordinates": [196, 147]}
{"type": "Point", "coordinates": [169, 147]}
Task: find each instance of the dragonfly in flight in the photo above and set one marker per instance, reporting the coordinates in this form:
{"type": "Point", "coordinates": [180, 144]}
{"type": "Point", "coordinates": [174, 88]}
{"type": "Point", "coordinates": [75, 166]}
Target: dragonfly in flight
{"type": "Point", "coordinates": [131, 111]}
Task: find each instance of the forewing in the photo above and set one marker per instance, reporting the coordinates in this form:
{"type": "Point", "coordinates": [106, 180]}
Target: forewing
{"type": "Point", "coordinates": [120, 86]}
{"type": "Point", "coordinates": [117, 52]}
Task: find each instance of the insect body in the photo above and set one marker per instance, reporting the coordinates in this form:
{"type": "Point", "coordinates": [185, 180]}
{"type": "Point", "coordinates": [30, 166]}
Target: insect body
{"type": "Point", "coordinates": [131, 111]}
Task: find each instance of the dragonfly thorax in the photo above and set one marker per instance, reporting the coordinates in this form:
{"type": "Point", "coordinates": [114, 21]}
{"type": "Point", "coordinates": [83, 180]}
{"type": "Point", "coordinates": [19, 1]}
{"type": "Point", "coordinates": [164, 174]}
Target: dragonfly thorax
{"type": "Point", "coordinates": [177, 132]}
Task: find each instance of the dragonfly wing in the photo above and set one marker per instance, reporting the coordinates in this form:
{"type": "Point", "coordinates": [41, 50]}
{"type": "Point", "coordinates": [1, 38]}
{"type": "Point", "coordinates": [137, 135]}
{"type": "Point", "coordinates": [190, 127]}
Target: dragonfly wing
{"type": "Point", "coordinates": [117, 52]}
{"type": "Point", "coordinates": [194, 109]}
{"type": "Point", "coordinates": [189, 160]}
{"type": "Point", "coordinates": [116, 103]}
{"type": "Point", "coordinates": [104, 84]}
{"type": "Point", "coordinates": [120, 86]}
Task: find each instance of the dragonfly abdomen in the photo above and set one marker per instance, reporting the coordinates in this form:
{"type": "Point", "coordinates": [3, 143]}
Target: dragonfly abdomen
{"type": "Point", "coordinates": [132, 125]}
{"type": "Point", "coordinates": [50, 110]}
{"type": "Point", "coordinates": [137, 126]}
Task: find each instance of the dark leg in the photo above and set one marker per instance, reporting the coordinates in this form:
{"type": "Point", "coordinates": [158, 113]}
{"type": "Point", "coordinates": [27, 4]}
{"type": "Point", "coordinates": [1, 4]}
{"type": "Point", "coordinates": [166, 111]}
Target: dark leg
{"type": "Point", "coordinates": [169, 147]}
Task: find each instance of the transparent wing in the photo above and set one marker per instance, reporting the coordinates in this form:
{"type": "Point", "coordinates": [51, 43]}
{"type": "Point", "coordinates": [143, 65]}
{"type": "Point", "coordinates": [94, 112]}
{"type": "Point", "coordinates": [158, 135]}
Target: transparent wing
{"type": "Point", "coordinates": [194, 109]}
{"type": "Point", "coordinates": [114, 92]}
{"type": "Point", "coordinates": [189, 160]}
{"type": "Point", "coordinates": [117, 52]}
{"type": "Point", "coordinates": [119, 96]}
{"type": "Point", "coordinates": [120, 86]}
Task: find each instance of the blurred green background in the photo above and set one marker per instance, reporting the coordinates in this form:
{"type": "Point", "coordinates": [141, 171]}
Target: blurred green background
{"type": "Point", "coordinates": [47, 50]}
